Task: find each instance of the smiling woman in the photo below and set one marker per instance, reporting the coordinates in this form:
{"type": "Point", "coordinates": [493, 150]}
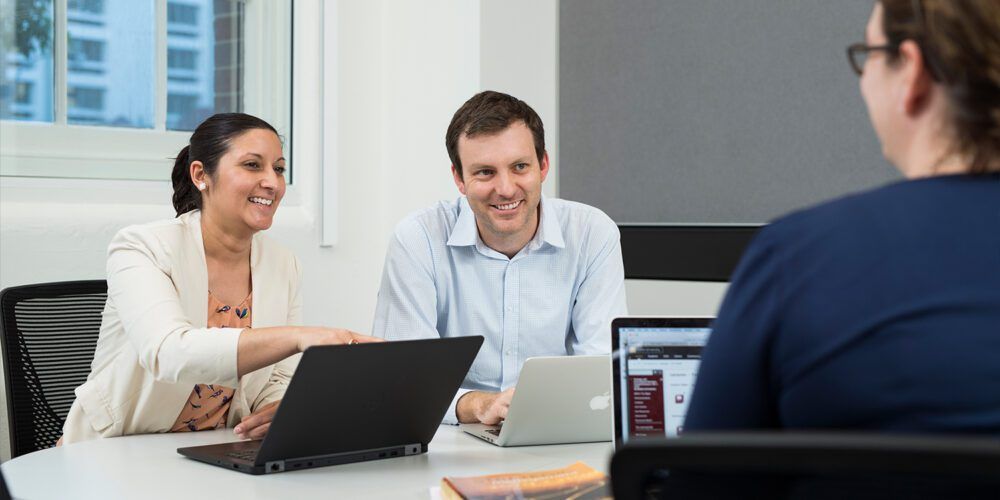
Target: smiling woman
{"type": "Point", "coordinates": [211, 141]}
{"type": "Point", "coordinates": [193, 335]}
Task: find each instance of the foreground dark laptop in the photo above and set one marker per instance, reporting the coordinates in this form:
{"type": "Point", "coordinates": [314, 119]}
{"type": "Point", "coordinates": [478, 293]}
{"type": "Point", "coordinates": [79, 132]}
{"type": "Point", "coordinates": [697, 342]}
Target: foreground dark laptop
{"type": "Point", "coordinates": [354, 403]}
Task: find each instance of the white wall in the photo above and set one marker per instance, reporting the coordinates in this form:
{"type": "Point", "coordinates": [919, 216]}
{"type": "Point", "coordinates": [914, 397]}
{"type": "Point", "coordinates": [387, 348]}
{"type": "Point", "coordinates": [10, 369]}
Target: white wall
{"type": "Point", "coordinates": [404, 68]}
{"type": "Point", "coordinates": [673, 298]}
{"type": "Point", "coordinates": [519, 55]}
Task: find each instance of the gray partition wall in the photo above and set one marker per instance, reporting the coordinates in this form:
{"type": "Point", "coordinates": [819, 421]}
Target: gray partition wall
{"type": "Point", "coordinates": [712, 111]}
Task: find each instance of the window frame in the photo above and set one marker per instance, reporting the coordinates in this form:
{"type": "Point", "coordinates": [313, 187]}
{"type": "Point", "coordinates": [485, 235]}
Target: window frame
{"type": "Point", "coordinates": [47, 150]}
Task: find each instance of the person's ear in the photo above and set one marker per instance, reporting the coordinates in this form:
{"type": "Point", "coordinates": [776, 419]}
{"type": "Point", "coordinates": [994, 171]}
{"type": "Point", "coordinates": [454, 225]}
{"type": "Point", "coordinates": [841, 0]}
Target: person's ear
{"type": "Point", "coordinates": [198, 175]}
{"type": "Point", "coordinates": [544, 166]}
{"type": "Point", "coordinates": [917, 82]}
{"type": "Point", "coordinates": [457, 177]}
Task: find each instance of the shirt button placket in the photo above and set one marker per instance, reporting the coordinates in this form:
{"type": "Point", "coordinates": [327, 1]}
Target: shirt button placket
{"type": "Point", "coordinates": [510, 293]}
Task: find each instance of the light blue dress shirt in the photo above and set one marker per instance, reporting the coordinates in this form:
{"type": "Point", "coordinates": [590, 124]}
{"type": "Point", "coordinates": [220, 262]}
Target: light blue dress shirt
{"type": "Point", "coordinates": [557, 296]}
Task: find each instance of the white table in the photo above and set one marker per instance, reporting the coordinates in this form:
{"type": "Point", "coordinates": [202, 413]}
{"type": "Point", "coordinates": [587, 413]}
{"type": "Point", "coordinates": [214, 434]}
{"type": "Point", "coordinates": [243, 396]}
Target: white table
{"type": "Point", "coordinates": [148, 467]}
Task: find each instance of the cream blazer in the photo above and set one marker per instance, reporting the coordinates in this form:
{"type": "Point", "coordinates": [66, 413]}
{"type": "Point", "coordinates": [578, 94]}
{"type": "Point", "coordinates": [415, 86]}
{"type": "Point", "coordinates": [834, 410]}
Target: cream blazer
{"type": "Point", "coordinates": [154, 345]}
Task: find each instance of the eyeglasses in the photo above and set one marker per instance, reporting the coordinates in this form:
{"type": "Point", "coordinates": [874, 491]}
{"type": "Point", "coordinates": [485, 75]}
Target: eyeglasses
{"type": "Point", "coordinates": [857, 54]}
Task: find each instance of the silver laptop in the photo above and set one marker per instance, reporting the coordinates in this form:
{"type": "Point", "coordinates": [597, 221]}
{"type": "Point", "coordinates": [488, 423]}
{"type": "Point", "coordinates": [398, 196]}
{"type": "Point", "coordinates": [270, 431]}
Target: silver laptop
{"type": "Point", "coordinates": [562, 399]}
{"type": "Point", "coordinates": [655, 363]}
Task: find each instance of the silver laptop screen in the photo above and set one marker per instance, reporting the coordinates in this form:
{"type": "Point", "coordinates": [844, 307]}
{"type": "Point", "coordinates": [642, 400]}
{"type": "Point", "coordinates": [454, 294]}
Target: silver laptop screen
{"type": "Point", "coordinates": [656, 374]}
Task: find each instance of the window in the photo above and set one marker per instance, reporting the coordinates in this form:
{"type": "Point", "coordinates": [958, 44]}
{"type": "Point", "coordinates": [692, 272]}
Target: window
{"type": "Point", "coordinates": [186, 111]}
{"type": "Point", "coordinates": [178, 103]}
{"type": "Point", "coordinates": [22, 92]}
{"type": "Point", "coordinates": [119, 89]}
{"type": "Point", "coordinates": [180, 59]}
{"type": "Point", "coordinates": [88, 6]}
{"type": "Point", "coordinates": [126, 87]}
{"type": "Point", "coordinates": [81, 50]}
{"type": "Point", "coordinates": [178, 13]}
{"type": "Point", "coordinates": [86, 98]}
{"type": "Point", "coordinates": [27, 61]}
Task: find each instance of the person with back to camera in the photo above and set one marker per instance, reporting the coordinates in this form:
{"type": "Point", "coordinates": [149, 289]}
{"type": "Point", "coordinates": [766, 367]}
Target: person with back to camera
{"type": "Point", "coordinates": [200, 327]}
{"type": "Point", "coordinates": [881, 311]}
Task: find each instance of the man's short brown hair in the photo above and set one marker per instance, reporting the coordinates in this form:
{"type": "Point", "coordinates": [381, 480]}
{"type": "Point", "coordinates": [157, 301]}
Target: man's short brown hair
{"type": "Point", "coordinates": [488, 113]}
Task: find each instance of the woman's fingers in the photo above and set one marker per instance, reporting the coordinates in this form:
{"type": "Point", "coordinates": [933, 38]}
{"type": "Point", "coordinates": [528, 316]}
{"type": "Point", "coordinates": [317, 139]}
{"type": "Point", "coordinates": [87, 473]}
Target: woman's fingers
{"type": "Point", "coordinates": [364, 339]}
{"type": "Point", "coordinates": [250, 425]}
{"type": "Point", "coordinates": [260, 431]}
{"type": "Point", "coordinates": [333, 336]}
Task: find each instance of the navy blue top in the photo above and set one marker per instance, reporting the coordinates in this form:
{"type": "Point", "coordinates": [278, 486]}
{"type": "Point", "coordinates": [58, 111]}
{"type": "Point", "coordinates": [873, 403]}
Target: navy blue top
{"type": "Point", "coordinates": [878, 311]}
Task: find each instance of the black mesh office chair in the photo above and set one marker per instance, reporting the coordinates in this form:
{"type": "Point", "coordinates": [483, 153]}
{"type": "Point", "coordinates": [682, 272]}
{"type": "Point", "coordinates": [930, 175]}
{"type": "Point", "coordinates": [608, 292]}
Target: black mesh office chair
{"type": "Point", "coordinates": [776, 465]}
{"type": "Point", "coordinates": [49, 334]}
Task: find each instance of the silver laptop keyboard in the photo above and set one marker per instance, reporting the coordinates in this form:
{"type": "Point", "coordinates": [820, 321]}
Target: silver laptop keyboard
{"type": "Point", "coordinates": [495, 432]}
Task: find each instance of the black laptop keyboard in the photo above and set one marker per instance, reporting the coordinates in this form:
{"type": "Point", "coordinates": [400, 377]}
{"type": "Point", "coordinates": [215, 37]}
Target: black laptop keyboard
{"type": "Point", "coordinates": [250, 455]}
{"type": "Point", "coordinates": [495, 432]}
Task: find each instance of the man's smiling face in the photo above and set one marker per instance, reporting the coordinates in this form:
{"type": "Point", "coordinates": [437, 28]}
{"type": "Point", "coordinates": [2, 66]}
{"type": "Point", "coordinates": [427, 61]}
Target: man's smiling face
{"type": "Point", "coordinates": [502, 179]}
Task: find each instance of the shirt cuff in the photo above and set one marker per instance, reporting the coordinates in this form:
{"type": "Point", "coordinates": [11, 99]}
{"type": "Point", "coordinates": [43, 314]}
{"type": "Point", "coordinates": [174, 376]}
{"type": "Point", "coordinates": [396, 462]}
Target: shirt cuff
{"type": "Point", "coordinates": [451, 417]}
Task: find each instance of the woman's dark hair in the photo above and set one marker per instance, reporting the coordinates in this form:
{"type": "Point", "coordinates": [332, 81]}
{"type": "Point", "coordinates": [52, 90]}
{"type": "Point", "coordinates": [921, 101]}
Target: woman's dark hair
{"type": "Point", "coordinates": [208, 143]}
{"type": "Point", "coordinates": [960, 43]}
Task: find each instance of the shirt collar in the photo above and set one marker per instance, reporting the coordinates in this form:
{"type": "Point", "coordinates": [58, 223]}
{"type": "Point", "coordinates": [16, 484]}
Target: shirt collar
{"type": "Point", "coordinates": [549, 230]}
{"type": "Point", "coordinates": [465, 232]}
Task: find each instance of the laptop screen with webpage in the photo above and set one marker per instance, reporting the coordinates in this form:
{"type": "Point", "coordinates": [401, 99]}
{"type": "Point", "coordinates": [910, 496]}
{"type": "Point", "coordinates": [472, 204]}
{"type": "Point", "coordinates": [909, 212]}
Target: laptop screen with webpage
{"type": "Point", "coordinates": [655, 365]}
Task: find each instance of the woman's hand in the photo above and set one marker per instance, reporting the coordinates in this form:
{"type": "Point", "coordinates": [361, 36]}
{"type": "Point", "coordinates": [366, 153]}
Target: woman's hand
{"type": "Point", "coordinates": [260, 347]}
{"type": "Point", "coordinates": [255, 425]}
{"type": "Point", "coordinates": [332, 336]}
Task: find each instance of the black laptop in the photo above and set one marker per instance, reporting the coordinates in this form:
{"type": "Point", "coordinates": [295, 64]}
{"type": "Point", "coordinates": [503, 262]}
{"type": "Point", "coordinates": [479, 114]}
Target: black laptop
{"type": "Point", "coordinates": [655, 364]}
{"type": "Point", "coordinates": [352, 403]}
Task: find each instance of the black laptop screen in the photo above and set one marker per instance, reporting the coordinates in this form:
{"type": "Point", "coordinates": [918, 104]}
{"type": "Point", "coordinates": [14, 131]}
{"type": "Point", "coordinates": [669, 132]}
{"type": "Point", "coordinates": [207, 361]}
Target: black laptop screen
{"type": "Point", "coordinates": [655, 371]}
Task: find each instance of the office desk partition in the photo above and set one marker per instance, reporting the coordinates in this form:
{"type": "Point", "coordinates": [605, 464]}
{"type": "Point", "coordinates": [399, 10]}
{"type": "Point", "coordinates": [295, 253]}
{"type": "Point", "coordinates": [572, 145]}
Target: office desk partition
{"type": "Point", "coordinates": [148, 466]}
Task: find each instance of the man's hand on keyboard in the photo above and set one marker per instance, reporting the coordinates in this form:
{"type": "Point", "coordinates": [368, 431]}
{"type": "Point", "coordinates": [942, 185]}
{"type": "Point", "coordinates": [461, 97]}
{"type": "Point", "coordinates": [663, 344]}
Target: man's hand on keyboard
{"type": "Point", "coordinates": [486, 407]}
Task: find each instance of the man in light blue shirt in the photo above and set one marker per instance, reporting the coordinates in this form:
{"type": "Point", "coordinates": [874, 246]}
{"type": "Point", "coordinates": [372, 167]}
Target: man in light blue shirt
{"type": "Point", "coordinates": [535, 276]}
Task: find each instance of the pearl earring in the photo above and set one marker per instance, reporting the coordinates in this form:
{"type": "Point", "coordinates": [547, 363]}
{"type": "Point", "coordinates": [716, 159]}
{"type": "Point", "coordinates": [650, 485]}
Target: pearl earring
{"type": "Point", "coordinates": [201, 186]}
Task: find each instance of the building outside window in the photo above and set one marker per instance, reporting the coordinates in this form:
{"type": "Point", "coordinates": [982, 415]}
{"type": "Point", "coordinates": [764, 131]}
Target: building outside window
{"type": "Point", "coordinates": [83, 50]}
{"type": "Point", "coordinates": [181, 103]}
{"type": "Point", "coordinates": [110, 75]}
{"type": "Point", "coordinates": [26, 59]}
{"type": "Point", "coordinates": [178, 13]}
{"type": "Point", "coordinates": [181, 58]}
{"type": "Point", "coordinates": [22, 92]}
{"type": "Point", "coordinates": [91, 6]}
{"type": "Point", "coordinates": [86, 98]}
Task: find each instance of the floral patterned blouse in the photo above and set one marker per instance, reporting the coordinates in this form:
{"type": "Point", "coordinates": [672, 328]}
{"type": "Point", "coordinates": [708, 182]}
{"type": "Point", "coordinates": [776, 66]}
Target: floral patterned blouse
{"type": "Point", "coordinates": [208, 405]}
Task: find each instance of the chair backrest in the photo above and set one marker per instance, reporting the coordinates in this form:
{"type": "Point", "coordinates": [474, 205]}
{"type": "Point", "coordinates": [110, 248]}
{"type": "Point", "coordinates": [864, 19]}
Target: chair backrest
{"type": "Point", "coordinates": [808, 465]}
{"type": "Point", "coordinates": [49, 334]}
